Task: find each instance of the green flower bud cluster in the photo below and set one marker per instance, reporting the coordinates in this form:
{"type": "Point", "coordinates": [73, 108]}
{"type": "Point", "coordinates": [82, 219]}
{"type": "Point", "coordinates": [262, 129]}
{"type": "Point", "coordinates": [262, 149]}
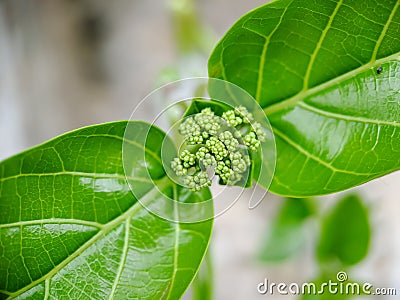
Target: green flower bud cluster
{"type": "Point", "coordinates": [178, 167]}
{"type": "Point", "coordinates": [231, 118]}
{"type": "Point", "coordinates": [219, 143]}
{"type": "Point", "coordinates": [205, 158]}
{"type": "Point", "coordinates": [197, 181]}
{"type": "Point", "coordinates": [199, 128]}
{"type": "Point", "coordinates": [231, 170]}
{"type": "Point", "coordinates": [251, 141]}
{"type": "Point", "coordinates": [246, 116]}
{"type": "Point", "coordinates": [217, 148]}
{"type": "Point", "coordinates": [188, 159]}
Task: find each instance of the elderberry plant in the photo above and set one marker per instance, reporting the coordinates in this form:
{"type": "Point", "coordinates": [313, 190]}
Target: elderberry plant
{"type": "Point", "coordinates": [217, 143]}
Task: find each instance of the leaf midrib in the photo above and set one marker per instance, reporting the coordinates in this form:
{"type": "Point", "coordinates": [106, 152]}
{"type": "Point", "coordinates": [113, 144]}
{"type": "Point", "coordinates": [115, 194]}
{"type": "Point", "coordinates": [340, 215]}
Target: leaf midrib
{"type": "Point", "coordinates": [146, 199]}
{"type": "Point", "coordinates": [122, 260]}
{"type": "Point", "coordinates": [299, 97]}
{"type": "Point", "coordinates": [328, 165]}
{"type": "Point", "coordinates": [176, 243]}
{"type": "Point", "coordinates": [82, 174]}
{"type": "Point", "coordinates": [53, 221]}
{"type": "Point", "coordinates": [346, 117]}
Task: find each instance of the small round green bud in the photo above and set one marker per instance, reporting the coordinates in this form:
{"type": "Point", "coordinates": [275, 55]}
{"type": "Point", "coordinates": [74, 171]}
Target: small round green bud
{"type": "Point", "coordinates": [205, 135]}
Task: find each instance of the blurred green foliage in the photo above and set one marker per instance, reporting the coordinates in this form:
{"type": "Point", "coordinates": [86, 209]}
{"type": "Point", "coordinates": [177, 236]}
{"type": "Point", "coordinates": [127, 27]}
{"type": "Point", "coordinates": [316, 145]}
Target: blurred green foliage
{"type": "Point", "coordinates": [286, 236]}
{"type": "Point", "coordinates": [345, 233]}
{"type": "Point", "coordinates": [202, 285]}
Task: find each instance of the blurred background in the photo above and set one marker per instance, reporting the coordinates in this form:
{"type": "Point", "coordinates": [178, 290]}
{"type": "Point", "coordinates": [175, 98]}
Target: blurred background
{"type": "Point", "coordinates": [67, 64]}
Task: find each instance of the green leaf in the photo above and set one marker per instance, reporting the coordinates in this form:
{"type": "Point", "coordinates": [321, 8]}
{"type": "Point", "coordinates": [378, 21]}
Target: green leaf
{"type": "Point", "coordinates": [328, 78]}
{"type": "Point", "coordinates": [287, 234]}
{"type": "Point", "coordinates": [197, 105]}
{"type": "Point", "coordinates": [71, 228]}
{"type": "Point", "coordinates": [345, 233]}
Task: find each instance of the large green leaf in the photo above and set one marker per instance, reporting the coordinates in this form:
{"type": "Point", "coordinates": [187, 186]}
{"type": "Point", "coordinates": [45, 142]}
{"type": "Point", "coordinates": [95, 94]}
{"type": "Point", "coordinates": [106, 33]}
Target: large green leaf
{"type": "Point", "coordinates": [327, 75]}
{"type": "Point", "coordinates": [70, 227]}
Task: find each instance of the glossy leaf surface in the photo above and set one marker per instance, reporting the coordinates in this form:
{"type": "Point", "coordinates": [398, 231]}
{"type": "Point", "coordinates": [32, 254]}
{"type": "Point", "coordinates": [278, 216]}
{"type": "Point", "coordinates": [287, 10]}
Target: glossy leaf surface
{"type": "Point", "coordinates": [328, 77]}
{"type": "Point", "coordinates": [71, 229]}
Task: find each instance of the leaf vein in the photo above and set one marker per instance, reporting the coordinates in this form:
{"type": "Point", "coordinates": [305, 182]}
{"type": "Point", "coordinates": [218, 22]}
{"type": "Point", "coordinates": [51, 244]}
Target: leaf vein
{"type": "Point", "coordinates": [122, 261]}
{"type": "Point", "coordinates": [263, 56]}
{"type": "Point", "coordinates": [106, 229]}
{"type": "Point", "coordinates": [346, 117]}
{"type": "Point", "coordinates": [269, 110]}
{"type": "Point", "coordinates": [54, 221]}
{"type": "Point", "coordinates": [83, 174]}
{"type": "Point", "coordinates": [315, 158]}
{"type": "Point", "coordinates": [319, 44]}
{"type": "Point", "coordinates": [176, 245]}
{"type": "Point", "coordinates": [384, 30]}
